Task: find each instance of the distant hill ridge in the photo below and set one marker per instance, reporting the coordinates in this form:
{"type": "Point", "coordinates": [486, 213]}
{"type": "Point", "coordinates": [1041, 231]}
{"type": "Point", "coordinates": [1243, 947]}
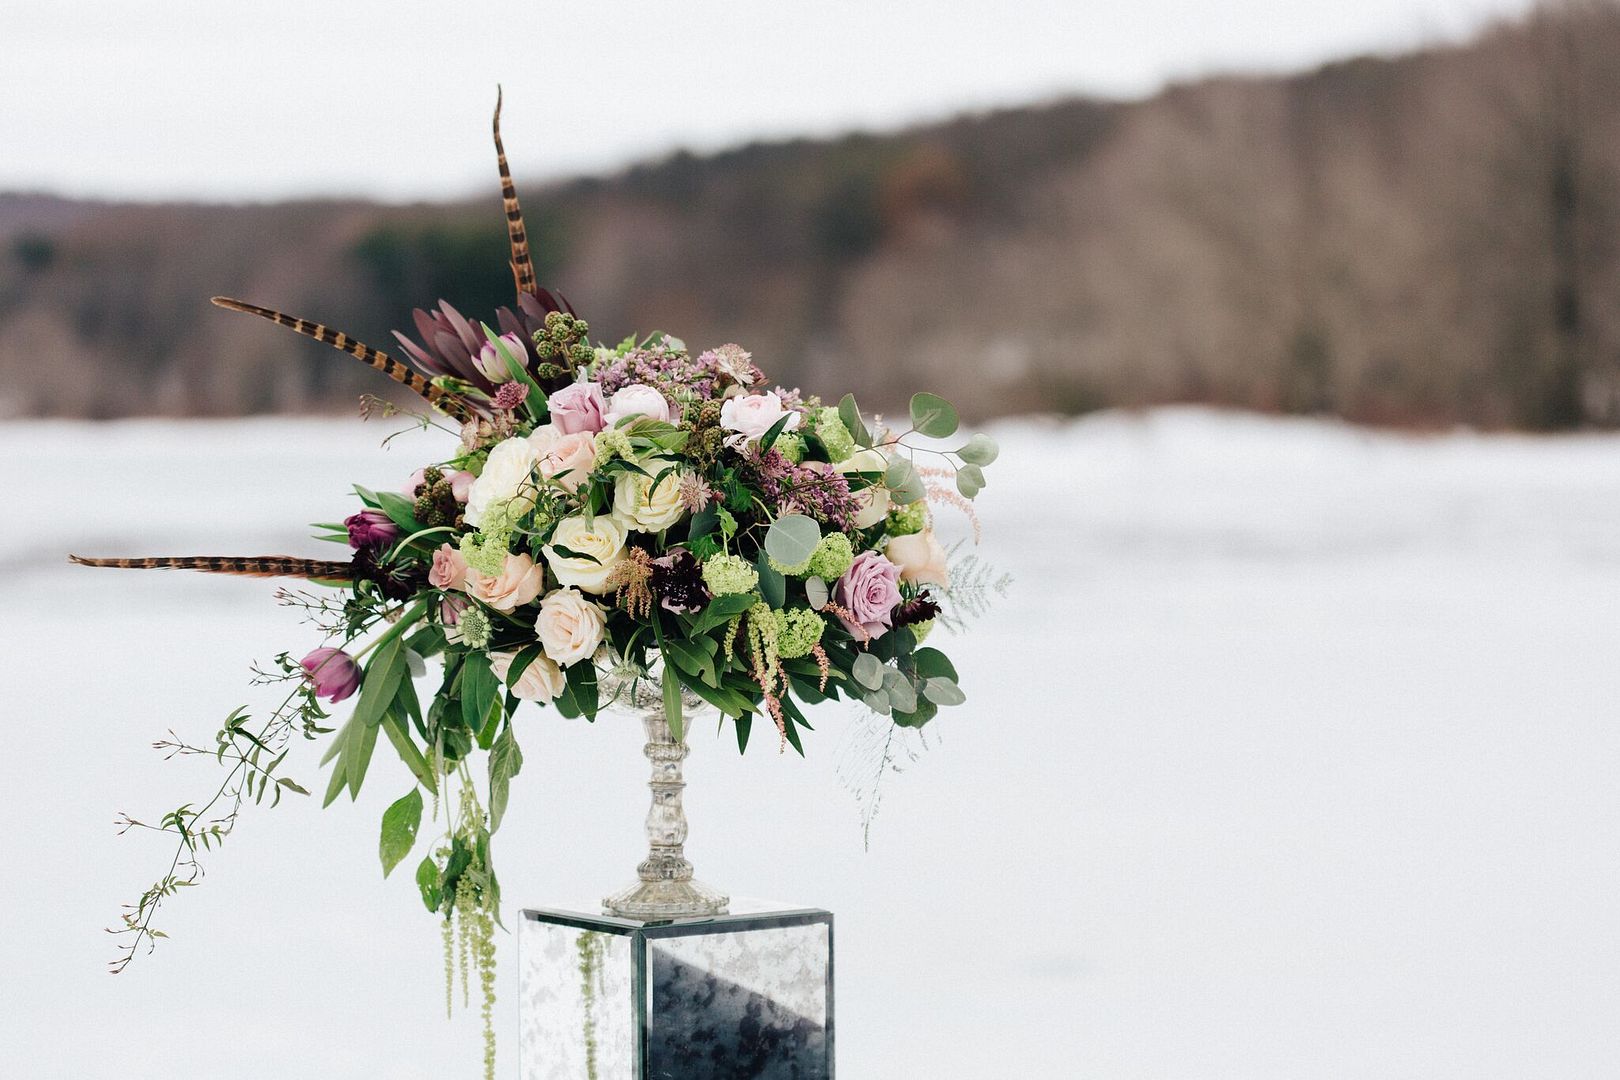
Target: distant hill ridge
{"type": "Point", "coordinates": [1426, 239]}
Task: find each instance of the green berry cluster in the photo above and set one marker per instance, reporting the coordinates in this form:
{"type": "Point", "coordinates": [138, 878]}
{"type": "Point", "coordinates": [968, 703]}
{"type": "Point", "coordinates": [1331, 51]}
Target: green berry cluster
{"type": "Point", "coordinates": [561, 345]}
{"type": "Point", "coordinates": [834, 435]}
{"type": "Point", "coordinates": [435, 503]}
{"type": "Point", "coordinates": [908, 519]}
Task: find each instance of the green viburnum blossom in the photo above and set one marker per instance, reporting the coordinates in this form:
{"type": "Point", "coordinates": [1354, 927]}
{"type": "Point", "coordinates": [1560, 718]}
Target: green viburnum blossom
{"type": "Point", "coordinates": [790, 571]}
{"type": "Point", "coordinates": [474, 627]}
{"type": "Point", "coordinates": [727, 574]}
{"type": "Point", "coordinates": [485, 553]}
{"type": "Point", "coordinates": [832, 556]}
{"type": "Point", "coordinates": [908, 519]}
{"type": "Point", "coordinates": [834, 435]}
{"type": "Point", "coordinates": [791, 443]}
{"type": "Point", "coordinates": [922, 630]}
{"type": "Point", "coordinates": [798, 630]}
{"type": "Point", "coordinates": [612, 443]}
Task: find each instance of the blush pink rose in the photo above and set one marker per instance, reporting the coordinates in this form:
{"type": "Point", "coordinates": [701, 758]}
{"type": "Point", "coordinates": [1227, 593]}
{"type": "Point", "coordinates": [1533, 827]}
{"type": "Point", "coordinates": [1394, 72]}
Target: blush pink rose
{"type": "Point", "coordinates": [518, 583]}
{"type": "Point", "coordinates": [567, 459]}
{"type": "Point", "coordinates": [449, 569]}
{"type": "Point", "coordinates": [869, 591]}
{"type": "Point", "coordinates": [578, 407]}
{"type": "Point", "coordinates": [754, 415]}
{"type": "Point", "coordinates": [541, 681]}
{"type": "Point", "coordinates": [637, 399]}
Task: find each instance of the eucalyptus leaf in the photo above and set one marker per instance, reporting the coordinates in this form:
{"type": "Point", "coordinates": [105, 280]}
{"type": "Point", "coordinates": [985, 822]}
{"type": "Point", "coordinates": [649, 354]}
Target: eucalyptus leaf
{"type": "Point", "coordinates": [792, 539]}
{"type": "Point", "coordinates": [817, 591]}
{"type": "Point", "coordinates": [979, 450]}
{"type": "Point", "coordinates": [850, 414]}
{"type": "Point", "coordinates": [399, 824]}
{"type": "Point", "coordinates": [868, 671]}
{"type": "Point", "coordinates": [933, 416]}
{"type": "Point", "coordinates": [969, 480]}
{"type": "Point", "coordinates": [942, 691]}
{"type": "Point", "coordinates": [877, 701]}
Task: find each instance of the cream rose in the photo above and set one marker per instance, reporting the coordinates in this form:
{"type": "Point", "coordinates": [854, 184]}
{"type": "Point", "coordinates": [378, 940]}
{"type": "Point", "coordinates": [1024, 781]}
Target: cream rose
{"type": "Point", "coordinates": [874, 500]}
{"type": "Point", "coordinates": [637, 504]}
{"type": "Point", "coordinates": [518, 583]}
{"type": "Point", "coordinates": [541, 680]}
{"type": "Point", "coordinates": [754, 415]}
{"type": "Point", "coordinates": [920, 558]}
{"type": "Point", "coordinates": [599, 544]}
{"type": "Point", "coordinates": [508, 477]}
{"type": "Point", "coordinates": [567, 459]}
{"type": "Point", "coordinates": [570, 627]}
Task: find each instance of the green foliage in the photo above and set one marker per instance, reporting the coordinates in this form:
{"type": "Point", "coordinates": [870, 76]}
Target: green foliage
{"type": "Point", "coordinates": [399, 824]}
{"type": "Point", "coordinates": [933, 416]}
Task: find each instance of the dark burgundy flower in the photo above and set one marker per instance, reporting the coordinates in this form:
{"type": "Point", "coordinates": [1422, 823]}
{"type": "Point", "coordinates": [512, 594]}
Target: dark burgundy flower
{"type": "Point", "coordinates": [370, 528]}
{"type": "Point", "coordinates": [677, 581]}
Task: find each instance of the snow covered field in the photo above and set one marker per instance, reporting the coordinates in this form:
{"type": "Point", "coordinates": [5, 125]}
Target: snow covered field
{"type": "Point", "coordinates": [1292, 753]}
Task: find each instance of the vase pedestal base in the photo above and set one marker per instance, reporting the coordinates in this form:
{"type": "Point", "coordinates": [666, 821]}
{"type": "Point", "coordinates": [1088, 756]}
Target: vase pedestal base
{"type": "Point", "coordinates": [747, 994]}
{"type": "Point", "coordinates": [658, 900]}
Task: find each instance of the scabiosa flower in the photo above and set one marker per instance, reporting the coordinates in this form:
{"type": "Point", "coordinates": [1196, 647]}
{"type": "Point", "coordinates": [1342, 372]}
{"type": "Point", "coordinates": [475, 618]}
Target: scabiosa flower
{"type": "Point", "coordinates": [732, 362]}
{"type": "Point", "coordinates": [474, 627]}
{"type": "Point", "coordinates": [677, 581]}
{"type": "Point", "coordinates": [509, 395]}
{"type": "Point", "coordinates": [332, 672]}
{"type": "Point", "coordinates": [370, 528]}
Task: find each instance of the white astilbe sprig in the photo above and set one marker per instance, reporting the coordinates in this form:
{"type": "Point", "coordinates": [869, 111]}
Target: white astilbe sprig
{"type": "Point", "coordinates": [975, 586]}
{"type": "Point", "coordinates": [873, 747]}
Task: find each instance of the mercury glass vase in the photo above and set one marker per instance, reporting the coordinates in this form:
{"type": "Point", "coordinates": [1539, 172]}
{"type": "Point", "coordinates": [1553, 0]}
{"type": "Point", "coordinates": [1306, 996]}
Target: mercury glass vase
{"type": "Point", "coordinates": [664, 886]}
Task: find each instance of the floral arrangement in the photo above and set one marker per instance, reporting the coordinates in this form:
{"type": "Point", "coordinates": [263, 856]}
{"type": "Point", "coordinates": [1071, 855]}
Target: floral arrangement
{"type": "Point", "coordinates": [600, 511]}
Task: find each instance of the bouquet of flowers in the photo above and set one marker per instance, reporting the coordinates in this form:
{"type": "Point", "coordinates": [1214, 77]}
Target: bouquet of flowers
{"type": "Point", "coordinates": [601, 513]}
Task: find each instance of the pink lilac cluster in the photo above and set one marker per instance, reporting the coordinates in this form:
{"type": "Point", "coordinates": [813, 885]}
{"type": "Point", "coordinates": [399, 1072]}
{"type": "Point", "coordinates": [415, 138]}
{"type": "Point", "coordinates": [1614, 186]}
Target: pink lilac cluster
{"type": "Point", "coordinates": [672, 369]}
{"type": "Point", "coordinates": [813, 488]}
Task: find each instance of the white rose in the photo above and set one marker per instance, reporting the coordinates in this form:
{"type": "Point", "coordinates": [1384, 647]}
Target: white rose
{"type": "Point", "coordinates": [570, 627]}
{"type": "Point", "coordinates": [518, 583]}
{"type": "Point", "coordinates": [567, 459]}
{"type": "Point", "coordinates": [601, 539]}
{"type": "Point", "coordinates": [920, 557]}
{"type": "Point", "coordinates": [874, 500]}
{"type": "Point", "coordinates": [507, 477]}
{"type": "Point", "coordinates": [541, 680]}
{"type": "Point", "coordinates": [637, 399]}
{"type": "Point", "coordinates": [754, 415]}
{"type": "Point", "coordinates": [637, 504]}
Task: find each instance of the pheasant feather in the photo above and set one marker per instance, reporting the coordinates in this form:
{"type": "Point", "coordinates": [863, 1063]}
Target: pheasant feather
{"type": "Point", "coordinates": [522, 264]}
{"type": "Point", "coordinates": [241, 566]}
{"type": "Point", "coordinates": [400, 373]}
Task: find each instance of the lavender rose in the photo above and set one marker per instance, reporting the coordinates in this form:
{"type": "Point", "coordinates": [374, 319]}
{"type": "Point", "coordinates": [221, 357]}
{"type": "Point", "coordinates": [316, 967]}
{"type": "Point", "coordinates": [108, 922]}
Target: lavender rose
{"type": "Point", "coordinates": [333, 672]}
{"type": "Point", "coordinates": [869, 591]}
{"type": "Point", "coordinates": [370, 528]}
{"type": "Point", "coordinates": [578, 407]}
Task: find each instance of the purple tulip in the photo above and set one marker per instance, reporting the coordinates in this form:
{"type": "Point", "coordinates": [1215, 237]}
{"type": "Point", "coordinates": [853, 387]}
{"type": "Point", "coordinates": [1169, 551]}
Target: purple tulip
{"type": "Point", "coordinates": [333, 672]}
{"type": "Point", "coordinates": [370, 528]}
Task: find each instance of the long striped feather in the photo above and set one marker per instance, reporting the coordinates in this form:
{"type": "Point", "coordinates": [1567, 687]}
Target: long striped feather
{"type": "Point", "coordinates": [242, 566]}
{"type": "Point", "coordinates": [522, 264]}
{"type": "Point", "coordinates": [400, 373]}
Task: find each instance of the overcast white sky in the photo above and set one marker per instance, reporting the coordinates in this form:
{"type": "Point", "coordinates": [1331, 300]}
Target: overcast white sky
{"type": "Point", "coordinates": [391, 98]}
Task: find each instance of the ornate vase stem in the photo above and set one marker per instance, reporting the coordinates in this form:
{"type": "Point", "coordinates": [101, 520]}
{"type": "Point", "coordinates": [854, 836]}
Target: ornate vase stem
{"type": "Point", "coordinates": [665, 889]}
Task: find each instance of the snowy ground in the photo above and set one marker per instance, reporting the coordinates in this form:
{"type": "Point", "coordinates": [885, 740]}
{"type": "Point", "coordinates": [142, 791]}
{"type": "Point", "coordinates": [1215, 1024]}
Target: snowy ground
{"type": "Point", "coordinates": [1291, 754]}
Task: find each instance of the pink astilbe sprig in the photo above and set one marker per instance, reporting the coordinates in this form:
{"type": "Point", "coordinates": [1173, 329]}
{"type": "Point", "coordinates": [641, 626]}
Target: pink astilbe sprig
{"type": "Point", "coordinates": [941, 494]}
{"type": "Point", "coordinates": [823, 664]}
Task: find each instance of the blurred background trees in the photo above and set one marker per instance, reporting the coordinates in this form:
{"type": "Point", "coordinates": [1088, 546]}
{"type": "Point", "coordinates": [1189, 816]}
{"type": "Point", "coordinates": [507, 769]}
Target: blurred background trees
{"type": "Point", "coordinates": [1420, 240]}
